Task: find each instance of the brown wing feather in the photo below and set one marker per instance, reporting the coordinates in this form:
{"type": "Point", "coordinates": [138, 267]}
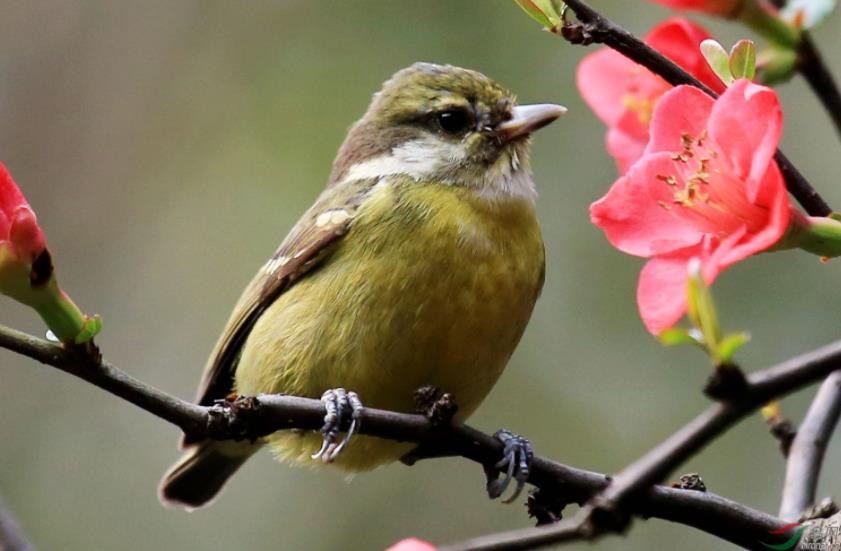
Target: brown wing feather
{"type": "Point", "coordinates": [306, 246]}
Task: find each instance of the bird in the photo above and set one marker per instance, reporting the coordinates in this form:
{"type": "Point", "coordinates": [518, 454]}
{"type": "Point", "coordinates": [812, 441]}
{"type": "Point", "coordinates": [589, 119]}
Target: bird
{"type": "Point", "coordinates": [418, 266]}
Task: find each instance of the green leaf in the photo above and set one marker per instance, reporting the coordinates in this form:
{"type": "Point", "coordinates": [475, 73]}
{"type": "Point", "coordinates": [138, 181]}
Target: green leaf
{"type": "Point", "coordinates": [701, 309]}
{"type": "Point", "coordinates": [717, 59]}
{"type": "Point", "coordinates": [678, 335]}
{"type": "Point", "coordinates": [807, 13]}
{"type": "Point", "coordinates": [706, 331]}
{"type": "Point", "coordinates": [768, 23]}
{"type": "Point", "coordinates": [730, 344]}
{"type": "Point", "coordinates": [545, 12]}
{"type": "Point", "coordinates": [743, 60]}
{"type": "Point", "coordinates": [776, 65]}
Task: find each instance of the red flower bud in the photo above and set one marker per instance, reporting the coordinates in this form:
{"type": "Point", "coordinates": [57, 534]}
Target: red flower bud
{"type": "Point", "coordinates": [26, 271]}
{"type": "Point", "coordinates": [21, 240]}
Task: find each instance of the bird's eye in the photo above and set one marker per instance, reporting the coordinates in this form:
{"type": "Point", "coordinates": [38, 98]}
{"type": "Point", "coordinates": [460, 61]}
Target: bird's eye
{"type": "Point", "coordinates": [454, 121]}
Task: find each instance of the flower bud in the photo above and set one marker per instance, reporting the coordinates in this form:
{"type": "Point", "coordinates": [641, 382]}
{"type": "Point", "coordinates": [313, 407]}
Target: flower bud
{"type": "Point", "coordinates": [26, 268]}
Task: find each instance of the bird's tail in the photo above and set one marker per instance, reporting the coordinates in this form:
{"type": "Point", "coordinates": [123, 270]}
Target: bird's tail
{"type": "Point", "coordinates": [202, 471]}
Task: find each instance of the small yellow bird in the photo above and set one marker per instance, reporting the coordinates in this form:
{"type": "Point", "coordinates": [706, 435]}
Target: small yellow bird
{"type": "Point", "coordinates": [418, 266]}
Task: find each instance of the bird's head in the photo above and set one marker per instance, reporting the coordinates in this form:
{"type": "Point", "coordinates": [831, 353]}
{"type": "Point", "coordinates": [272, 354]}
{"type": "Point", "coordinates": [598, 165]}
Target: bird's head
{"type": "Point", "coordinates": [440, 123]}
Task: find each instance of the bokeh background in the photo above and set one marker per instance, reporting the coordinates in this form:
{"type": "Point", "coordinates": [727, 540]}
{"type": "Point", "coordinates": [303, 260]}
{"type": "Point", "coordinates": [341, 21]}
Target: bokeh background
{"type": "Point", "coordinates": [169, 146]}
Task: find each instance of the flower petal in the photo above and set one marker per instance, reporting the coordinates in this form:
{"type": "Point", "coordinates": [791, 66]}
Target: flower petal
{"type": "Point", "coordinates": [5, 225]}
{"type": "Point", "coordinates": [746, 124]}
{"type": "Point", "coordinates": [635, 213]}
{"type": "Point", "coordinates": [26, 237]}
{"type": "Point", "coordinates": [716, 7]}
{"type": "Point", "coordinates": [597, 82]}
{"type": "Point", "coordinates": [735, 248]}
{"type": "Point", "coordinates": [681, 110]}
{"type": "Point", "coordinates": [10, 195]}
{"type": "Point", "coordinates": [624, 147]}
{"type": "Point", "coordinates": [412, 544]}
{"type": "Point", "coordinates": [680, 39]}
{"type": "Point", "coordinates": [661, 292]}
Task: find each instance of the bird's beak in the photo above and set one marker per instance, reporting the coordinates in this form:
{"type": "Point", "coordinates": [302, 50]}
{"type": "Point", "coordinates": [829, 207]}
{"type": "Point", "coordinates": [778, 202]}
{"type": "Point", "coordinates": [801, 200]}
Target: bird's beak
{"type": "Point", "coordinates": [526, 119]}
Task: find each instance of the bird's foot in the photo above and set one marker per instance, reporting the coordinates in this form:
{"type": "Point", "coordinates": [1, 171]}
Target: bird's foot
{"type": "Point", "coordinates": [517, 455]}
{"type": "Point", "coordinates": [339, 403]}
{"type": "Point", "coordinates": [439, 407]}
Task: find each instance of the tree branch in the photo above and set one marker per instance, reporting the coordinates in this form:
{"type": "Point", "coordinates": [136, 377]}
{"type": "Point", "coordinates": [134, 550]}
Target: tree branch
{"type": "Point", "coordinates": [713, 514]}
{"type": "Point", "coordinates": [251, 417]}
{"type": "Point", "coordinates": [596, 28]}
{"type": "Point", "coordinates": [814, 70]}
{"type": "Point", "coordinates": [779, 426]}
{"type": "Point", "coordinates": [809, 447]}
{"type": "Point", "coordinates": [12, 537]}
{"type": "Point", "coordinates": [89, 367]}
{"type": "Point", "coordinates": [606, 511]}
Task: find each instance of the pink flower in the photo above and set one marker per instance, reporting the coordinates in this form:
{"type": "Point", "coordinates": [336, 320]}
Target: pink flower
{"type": "Point", "coordinates": [21, 240]}
{"type": "Point", "coordinates": [715, 7]}
{"type": "Point", "coordinates": [623, 94]}
{"type": "Point", "coordinates": [412, 544]}
{"type": "Point", "coordinates": [706, 186]}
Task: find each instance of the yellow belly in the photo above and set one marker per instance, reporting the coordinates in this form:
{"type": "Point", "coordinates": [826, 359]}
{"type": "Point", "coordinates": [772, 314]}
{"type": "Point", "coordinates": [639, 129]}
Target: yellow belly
{"type": "Point", "coordinates": [429, 287]}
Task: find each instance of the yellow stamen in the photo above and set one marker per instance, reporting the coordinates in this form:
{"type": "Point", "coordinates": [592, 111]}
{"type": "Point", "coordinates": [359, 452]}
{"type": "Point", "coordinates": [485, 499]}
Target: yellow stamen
{"type": "Point", "coordinates": [668, 179]}
{"type": "Point", "coordinates": [642, 107]}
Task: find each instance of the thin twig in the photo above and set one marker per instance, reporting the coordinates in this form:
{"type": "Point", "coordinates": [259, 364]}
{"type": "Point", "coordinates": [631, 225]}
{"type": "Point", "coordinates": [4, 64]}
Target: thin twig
{"type": "Point", "coordinates": [817, 74]}
{"type": "Point", "coordinates": [779, 426]}
{"type": "Point", "coordinates": [604, 31]}
{"type": "Point", "coordinates": [189, 417]}
{"type": "Point", "coordinates": [809, 447]}
{"type": "Point", "coordinates": [525, 538]}
{"type": "Point", "coordinates": [605, 511]}
{"type": "Point", "coordinates": [12, 537]}
{"type": "Point", "coordinates": [252, 417]}
{"type": "Point", "coordinates": [725, 519]}
{"type": "Point", "coordinates": [268, 413]}
{"type": "Point", "coordinates": [762, 387]}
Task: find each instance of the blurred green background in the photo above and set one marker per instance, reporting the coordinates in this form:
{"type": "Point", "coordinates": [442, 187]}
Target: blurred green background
{"type": "Point", "coordinates": [169, 146]}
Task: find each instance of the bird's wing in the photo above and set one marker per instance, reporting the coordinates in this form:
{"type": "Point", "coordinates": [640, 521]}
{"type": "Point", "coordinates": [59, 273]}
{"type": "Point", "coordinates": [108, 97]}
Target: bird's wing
{"type": "Point", "coordinates": [304, 249]}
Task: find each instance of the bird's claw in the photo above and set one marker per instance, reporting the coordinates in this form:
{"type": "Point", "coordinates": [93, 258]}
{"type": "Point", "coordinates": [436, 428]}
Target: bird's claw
{"type": "Point", "coordinates": [339, 403]}
{"type": "Point", "coordinates": [517, 455]}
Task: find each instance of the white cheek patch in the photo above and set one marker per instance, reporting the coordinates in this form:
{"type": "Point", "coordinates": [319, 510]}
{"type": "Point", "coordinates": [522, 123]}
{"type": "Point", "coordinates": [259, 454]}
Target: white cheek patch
{"type": "Point", "coordinates": [419, 159]}
{"type": "Point", "coordinates": [429, 158]}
